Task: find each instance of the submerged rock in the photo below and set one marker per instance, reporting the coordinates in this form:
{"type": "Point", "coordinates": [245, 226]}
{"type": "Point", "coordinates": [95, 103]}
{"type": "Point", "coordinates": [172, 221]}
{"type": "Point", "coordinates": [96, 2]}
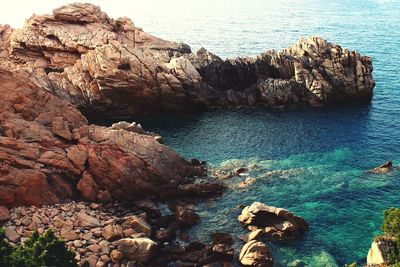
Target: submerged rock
{"type": "Point", "coordinates": [384, 168]}
{"type": "Point", "coordinates": [276, 223]}
{"type": "Point", "coordinates": [186, 216]}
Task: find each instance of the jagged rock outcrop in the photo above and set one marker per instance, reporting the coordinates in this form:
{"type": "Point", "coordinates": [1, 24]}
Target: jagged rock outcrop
{"type": "Point", "coordinates": [384, 168]}
{"type": "Point", "coordinates": [49, 153]}
{"type": "Point", "coordinates": [100, 64]}
{"type": "Point", "coordinates": [275, 223]}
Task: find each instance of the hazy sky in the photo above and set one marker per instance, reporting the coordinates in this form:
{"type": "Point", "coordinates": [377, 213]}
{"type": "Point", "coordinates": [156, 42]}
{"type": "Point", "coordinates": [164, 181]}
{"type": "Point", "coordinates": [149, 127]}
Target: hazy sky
{"type": "Point", "coordinates": [15, 12]}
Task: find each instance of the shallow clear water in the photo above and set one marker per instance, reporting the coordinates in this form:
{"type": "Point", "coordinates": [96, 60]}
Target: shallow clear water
{"type": "Point", "coordinates": [327, 151]}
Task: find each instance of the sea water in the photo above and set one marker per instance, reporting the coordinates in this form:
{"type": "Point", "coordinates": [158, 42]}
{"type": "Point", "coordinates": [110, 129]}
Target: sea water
{"type": "Point", "coordinates": [325, 153]}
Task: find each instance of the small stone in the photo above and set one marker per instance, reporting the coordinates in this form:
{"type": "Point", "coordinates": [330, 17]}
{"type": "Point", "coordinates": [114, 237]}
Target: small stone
{"type": "Point", "coordinates": [105, 258]}
{"type": "Point", "coordinates": [105, 247]}
{"type": "Point", "coordinates": [128, 232]}
{"type": "Point", "coordinates": [94, 206]}
{"type": "Point", "coordinates": [26, 221]}
{"type": "Point", "coordinates": [255, 253]}
{"type": "Point", "coordinates": [137, 224]}
{"type": "Point", "coordinates": [11, 234]}
{"type": "Point", "coordinates": [88, 236]}
{"type": "Point", "coordinates": [64, 208]}
{"type": "Point", "coordinates": [92, 259]}
{"type": "Point", "coordinates": [138, 249]}
{"type": "Point", "coordinates": [186, 215]}
{"type": "Point", "coordinates": [94, 248]}
{"type": "Point", "coordinates": [4, 213]}
{"type": "Point", "coordinates": [84, 220]}
{"type": "Point", "coordinates": [97, 233]}
{"type": "Point", "coordinates": [116, 256]}
{"type": "Point", "coordinates": [78, 243]}
{"type": "Point", "coordinates": [112, 232]}
{"type": "Point", "coordinates": [69, 235]}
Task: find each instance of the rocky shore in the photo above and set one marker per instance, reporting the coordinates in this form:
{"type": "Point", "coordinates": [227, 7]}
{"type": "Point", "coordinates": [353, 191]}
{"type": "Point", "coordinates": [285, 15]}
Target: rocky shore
{"type": "Point", "coordinates": [148, 233]}
{"type": "Point", "coordinates": [80, 60]}
{"type": "Point", "coordinates": [61, 71]}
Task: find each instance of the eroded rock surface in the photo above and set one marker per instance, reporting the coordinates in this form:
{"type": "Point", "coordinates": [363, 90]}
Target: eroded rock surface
{"type": "Point", "coordinates": [49, 153]}
{"type": "Point", "coordinates": [110, 66]}
{"type": "Point", "coordinates": [257, 254]}
{"type": "Point", "coordinates": [276, 223]}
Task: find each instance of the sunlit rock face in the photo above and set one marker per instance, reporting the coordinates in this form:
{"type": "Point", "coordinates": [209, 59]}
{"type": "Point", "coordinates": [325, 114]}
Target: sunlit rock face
{"type": "Point", "coordinates": [79, 59]}
{"type": "Point", "coordinates": [49, 153]}
{"type": "Point", "coordinates": [102, 64]}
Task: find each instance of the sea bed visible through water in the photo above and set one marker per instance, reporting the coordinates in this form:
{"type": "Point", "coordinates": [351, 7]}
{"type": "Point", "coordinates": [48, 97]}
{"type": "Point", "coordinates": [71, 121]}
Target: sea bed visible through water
{"type": "Point", "coordinates": [327, 151]}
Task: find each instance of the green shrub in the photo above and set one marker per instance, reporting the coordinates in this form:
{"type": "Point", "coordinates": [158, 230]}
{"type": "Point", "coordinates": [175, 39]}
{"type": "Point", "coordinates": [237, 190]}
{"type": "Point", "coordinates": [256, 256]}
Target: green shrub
{"type": "Point", "coordinates": [38, 251]}
{"type": "Point", "coordinates": [391, 228]}
{"type": "Point", "coordinates": [391, 222]}
{"type": "Point", "coordinates": [5, 249]}
{"type": "Point", "coordinates": [354, 264]}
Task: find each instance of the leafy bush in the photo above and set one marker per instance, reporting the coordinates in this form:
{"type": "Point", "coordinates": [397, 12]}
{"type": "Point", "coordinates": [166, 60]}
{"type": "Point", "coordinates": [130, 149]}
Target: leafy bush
{"type": "Point", "coordinates": [5, 249]}
{"type": "Point", "coordinates": [391, 228]}
{"type": "Point", "coordinates": [354, 264]}
{"type": "Point", "coordinates": [391, 222]}
{"type": "Point", "coordinates": [38, 251]}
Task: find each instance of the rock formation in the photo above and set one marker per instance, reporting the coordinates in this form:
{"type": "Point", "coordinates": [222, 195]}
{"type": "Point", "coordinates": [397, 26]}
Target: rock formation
{"type": "Point", "coordinates": [380, 250]}
{"type": "Point", "coordinates": [116, 235]}
{"type": "Point", "coordinates": [104, 65]}
{"type": "Point", "coordinates": [384, 168]}
{"type": "Point", "coordinates": [49, 153]}
{"type": "Point", "coordinates": [256, 253]}
{"type": "Point", "coordinates": [275, 223]}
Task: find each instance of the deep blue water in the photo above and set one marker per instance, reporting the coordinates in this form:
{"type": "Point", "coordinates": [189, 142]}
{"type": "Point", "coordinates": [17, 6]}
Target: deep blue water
{"type": "Point", "coordinates": [327, 151]}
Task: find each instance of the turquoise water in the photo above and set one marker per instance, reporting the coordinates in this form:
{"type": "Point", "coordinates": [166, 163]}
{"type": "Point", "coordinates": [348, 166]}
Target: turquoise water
{"type": "Point", "coordinates": [327, 151]}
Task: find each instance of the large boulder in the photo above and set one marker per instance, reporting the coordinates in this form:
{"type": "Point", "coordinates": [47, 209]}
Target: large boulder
{"type": "Point", "coordinates": [384, 168]}
{"type": "Point", "coordinates": [137, 249]}
{"type": "Point", "coordinates": [380, 250]}
{"type": "Point", "coordinates": [276, 223]}
{"type": "Point", "coordinates": [256, 254]}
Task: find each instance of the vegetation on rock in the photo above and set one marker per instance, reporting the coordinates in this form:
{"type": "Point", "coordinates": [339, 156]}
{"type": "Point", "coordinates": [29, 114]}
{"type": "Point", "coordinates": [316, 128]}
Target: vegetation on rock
{"type": "Point", "coordinates": [38, 251]}
{"type": "Point", "coordinates": [391, 228]}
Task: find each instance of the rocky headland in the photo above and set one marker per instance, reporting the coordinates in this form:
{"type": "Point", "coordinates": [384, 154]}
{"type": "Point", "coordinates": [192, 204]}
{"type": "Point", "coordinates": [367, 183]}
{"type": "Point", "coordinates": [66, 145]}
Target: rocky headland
{"type": "Point", "coordinates": [62, 71]}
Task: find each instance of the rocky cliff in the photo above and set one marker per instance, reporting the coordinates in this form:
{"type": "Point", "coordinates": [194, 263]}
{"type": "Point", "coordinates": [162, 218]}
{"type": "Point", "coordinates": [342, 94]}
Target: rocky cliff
{"type": "Point", "coordinates": [49, 153]}
{"type": "Point", "coordinates": [100, 64]}
{"type": "Point", "coordinates": [80, 60]}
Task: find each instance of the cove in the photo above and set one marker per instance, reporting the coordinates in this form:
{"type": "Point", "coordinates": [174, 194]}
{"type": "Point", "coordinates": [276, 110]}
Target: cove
{"type": "Point", "coordinates": [327, 153]}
